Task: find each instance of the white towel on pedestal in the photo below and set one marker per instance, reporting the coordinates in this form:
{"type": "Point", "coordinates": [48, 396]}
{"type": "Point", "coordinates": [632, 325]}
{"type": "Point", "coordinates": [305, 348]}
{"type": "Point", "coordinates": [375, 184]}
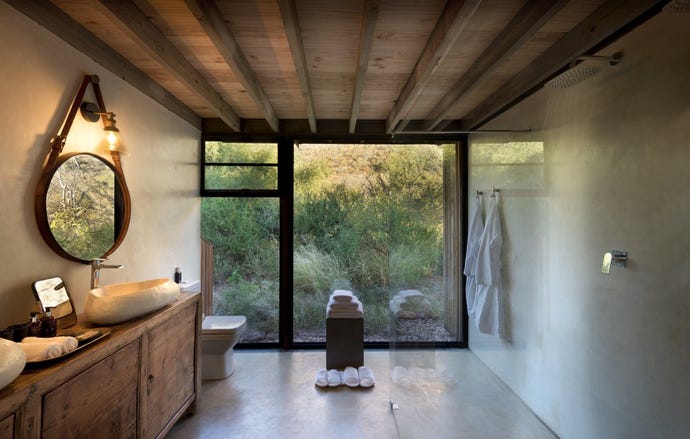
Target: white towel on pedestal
{"type": "Point", "coordinates": [344, 310]}
{"type": "Point", "coordinates": [342, 296]}
{"type": "Point", "coordinates": [352, 304]}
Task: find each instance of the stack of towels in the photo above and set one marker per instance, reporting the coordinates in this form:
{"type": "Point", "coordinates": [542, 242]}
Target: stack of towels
{"type": "Point", "coordinates": [41, 349]}
{"type": "Point", "coordinates": [351, 377]}
{"type": "Point", "coordinates": [344, 305]}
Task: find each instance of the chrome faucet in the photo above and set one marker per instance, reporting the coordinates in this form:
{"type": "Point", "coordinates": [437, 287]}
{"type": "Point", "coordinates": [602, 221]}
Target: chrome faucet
{"type": "Point", "coordinates": [96, 265]}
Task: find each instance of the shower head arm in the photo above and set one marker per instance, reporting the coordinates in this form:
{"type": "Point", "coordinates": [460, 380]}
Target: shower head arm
{"type": "Point", "coordinates": [613, 59]}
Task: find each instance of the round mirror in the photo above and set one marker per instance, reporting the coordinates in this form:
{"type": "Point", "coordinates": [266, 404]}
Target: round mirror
{"type": "Point", "coordinates": [81, 207]}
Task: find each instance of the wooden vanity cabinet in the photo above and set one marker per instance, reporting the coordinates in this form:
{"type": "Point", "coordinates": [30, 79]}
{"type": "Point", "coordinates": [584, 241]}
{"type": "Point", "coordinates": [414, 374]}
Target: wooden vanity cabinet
{"type": "Point", "coordinates": [134, 383]}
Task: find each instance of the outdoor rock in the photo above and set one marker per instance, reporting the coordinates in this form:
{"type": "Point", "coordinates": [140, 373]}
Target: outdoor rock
{"type": "Point", "coordinates": [411, 304]}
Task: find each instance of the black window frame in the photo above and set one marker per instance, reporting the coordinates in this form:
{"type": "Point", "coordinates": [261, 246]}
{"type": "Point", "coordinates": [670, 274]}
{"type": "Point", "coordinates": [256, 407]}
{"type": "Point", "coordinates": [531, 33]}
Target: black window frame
{"type": "Point", "coordinates": [285, 194]}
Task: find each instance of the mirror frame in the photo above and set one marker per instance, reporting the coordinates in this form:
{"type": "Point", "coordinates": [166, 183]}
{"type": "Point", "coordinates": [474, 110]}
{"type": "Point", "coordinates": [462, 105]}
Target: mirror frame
{"type": "Point", "coordinates": [122, 213]}
{"type": "Point", "coordinates": [55, 158]}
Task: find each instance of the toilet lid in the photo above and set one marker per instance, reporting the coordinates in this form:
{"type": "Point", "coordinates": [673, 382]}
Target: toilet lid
{"type": "Point", "coordinates": [222, 324]}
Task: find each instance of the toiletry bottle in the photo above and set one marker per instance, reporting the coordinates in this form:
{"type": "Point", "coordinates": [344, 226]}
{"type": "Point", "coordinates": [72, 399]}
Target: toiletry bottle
{"type": "Point", "coordinates": [34, 325]}
{"type": "Point", "coordinates": [48, 324]}
{"type": "Point", "coordinates": [178, 275]}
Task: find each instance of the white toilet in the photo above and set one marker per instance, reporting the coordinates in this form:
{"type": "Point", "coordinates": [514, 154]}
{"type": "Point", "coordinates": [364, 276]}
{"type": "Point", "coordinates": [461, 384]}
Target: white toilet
{"type": "Point", "coordinates": [218, 336]}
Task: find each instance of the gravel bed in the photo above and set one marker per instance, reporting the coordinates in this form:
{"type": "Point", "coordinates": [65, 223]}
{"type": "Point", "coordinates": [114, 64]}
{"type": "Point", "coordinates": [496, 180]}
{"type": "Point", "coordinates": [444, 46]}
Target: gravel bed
{"type": "Point", "coordinates": [408, 330]}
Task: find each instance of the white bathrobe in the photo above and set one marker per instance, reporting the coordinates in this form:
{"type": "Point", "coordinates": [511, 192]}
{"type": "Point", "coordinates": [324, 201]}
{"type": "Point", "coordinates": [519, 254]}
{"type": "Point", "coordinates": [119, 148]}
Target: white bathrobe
{"type": "Point", "coordinates": [474, 234]}
{"type": "Point", "coordinates": [488, 302]}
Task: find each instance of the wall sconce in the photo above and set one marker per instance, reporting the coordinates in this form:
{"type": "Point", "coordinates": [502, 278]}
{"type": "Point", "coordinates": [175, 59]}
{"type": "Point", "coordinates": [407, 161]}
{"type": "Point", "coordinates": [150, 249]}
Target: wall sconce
{"type": "Point", "coordinates": [92, 113]}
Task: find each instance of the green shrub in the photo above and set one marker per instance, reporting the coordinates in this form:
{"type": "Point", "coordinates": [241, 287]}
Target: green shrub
{"type": "Point", "coordinates": [377, 319]}
{"type": "Point", "coordinates": [315, 272]}
{"type": "Point", "coordinates": [309, 312]}
{"type": "Point", "coordinates": [255, 299]}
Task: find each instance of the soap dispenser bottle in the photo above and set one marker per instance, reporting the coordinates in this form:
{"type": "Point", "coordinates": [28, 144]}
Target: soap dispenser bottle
{"type": "Point", "coordinates": [48, 324]}
{"type": "Point", "coordinates": [34, 325]}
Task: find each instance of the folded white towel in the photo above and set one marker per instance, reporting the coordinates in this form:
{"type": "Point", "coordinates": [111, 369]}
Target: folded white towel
{"type": "Point", "coordinates": [342, 296]}
{"type": "Point", "coordinates": [353, 306]}
{"type": "Point", "coordinates": [334, 379]}
{"type": "Point", "coordinates": [366, 376]}
{"type": "Point", "coordinates": [350, 314]}
{"type": "Point", "coordinates": [67, 344]}
{"type": "Point", "coordinates": [321, 378]}
{"type": "Point", "coordinates": [345, 315]}
{"type": "Point", "coordinates": [354, 303]}
{"type": "Point", "coordinates": [40, 351]}
{"type": "Point", "coordinates": [351, 377]}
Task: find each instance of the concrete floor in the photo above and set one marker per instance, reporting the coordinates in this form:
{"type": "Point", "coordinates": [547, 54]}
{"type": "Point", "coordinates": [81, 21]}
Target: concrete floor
{"type": "Point", "coordinates": [439, 394]}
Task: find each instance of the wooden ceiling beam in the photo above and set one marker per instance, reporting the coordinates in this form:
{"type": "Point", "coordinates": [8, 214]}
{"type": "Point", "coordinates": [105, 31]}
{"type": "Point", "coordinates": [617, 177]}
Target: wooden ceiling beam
{"type": "Point", "coordinates": [288, 12]}
{"type": "Point", "coordinates": [450, 25]}
{"type": "Point", "coordinates": [137, 26]}
{"type": "Point", "coordinates": [604, 22]}
{"type": "Point", "coordinates": [211, 19]}
{"type": "Point", "coordinates": [69, 30]}
{"type": "Point", "coordinates": [366, 39]}
{"type": "Point", "coordinates": [529, 19]}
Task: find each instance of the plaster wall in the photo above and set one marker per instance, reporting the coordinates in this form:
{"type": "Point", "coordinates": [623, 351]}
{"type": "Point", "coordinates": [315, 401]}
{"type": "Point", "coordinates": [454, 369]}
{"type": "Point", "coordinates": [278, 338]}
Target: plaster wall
{"type": "Point", "coordinates": [606, 167]}
{"type": "Point", "coordinates": [39, 75]}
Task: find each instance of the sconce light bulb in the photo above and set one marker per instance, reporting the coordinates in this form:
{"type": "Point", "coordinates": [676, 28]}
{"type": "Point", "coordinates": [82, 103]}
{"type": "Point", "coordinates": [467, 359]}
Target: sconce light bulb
{"type": "Point", "coordinates": [113, 140]}
{"type": "Point", "coordinates": [112, 133]}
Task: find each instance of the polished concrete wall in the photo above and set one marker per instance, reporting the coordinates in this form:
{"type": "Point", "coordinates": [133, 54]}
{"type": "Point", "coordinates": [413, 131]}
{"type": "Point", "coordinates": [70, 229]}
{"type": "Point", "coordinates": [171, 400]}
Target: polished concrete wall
{"type": "Point", "coordinates": [605, 167]}
{"type": "Point", "coordinates": [39, 75]}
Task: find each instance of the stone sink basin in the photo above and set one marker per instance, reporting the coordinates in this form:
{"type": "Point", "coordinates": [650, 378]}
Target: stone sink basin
{"type": "Point", "coordinates": [12, 361]}
{"type": "Point", "coordinates": [117, 303]}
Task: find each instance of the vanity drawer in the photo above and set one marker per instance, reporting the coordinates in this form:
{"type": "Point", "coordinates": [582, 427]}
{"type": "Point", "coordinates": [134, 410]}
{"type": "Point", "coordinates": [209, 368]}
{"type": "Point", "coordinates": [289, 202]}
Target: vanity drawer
{"type": "Point", "coordinates": [99, 402]}
{"type": "Point", "coordinates": [7, 427]}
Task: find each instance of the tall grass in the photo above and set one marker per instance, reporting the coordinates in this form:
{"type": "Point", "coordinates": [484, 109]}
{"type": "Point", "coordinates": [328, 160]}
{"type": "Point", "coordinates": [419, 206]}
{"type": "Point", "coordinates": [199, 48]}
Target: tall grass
{"type": "Point", "coordinates": [315, 272]}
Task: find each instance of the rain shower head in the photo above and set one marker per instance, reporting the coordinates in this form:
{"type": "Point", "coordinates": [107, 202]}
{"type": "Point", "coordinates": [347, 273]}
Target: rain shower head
{"type": "Point", "coordinates": [580, 70]}
{"type": "Point", "coordinates": [678, 6]}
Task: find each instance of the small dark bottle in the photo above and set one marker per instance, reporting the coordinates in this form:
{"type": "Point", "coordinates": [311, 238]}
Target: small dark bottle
{"type": "Point", "coordinates": [34, 325]}
{"type": "Point", "coordinates": [178, 275]}
{"type": "Point", "coordinates": [48, 324]}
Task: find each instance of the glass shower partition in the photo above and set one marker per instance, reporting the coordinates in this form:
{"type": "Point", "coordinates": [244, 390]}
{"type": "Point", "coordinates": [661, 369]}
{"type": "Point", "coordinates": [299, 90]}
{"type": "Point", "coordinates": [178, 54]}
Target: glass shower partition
{"type": "Point", "coordinates": [425, 310]}
{"type": "Point", "coordinates": [419, 379]}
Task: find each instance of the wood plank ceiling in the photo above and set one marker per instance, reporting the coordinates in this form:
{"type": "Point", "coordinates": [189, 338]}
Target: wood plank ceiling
{"type": "Point", "coordinates": [427, 65]}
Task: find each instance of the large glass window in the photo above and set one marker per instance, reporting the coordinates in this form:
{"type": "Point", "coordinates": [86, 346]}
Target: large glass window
{"type": "Point", "coordinates": [244, 233]}
{"type": "Point", "coordinates": [287, 229]}
{"type": "Point", "coordinates": [240, 218]}
{"type": "Point", "coordinates": [370, 219]}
